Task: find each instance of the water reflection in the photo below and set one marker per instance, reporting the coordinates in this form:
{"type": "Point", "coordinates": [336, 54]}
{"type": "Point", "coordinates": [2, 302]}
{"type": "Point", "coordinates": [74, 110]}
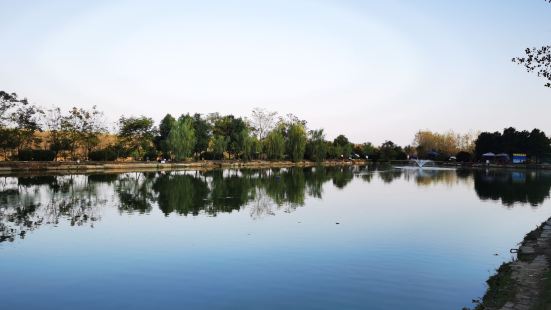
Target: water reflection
{"type": "Point", "coordinates": [27, 202]}
{"type": "Point", "coordinates": [512, 188]}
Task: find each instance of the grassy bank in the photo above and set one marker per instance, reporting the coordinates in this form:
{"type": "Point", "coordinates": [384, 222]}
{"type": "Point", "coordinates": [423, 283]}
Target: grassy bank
{"type": "Point", "coordinates": [524, 283]}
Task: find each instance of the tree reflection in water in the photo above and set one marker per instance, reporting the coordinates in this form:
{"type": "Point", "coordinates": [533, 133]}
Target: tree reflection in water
{"type": "Point", "coordinates": [513, 187]}
{"type": "Point", "coordinates": [27, 202]}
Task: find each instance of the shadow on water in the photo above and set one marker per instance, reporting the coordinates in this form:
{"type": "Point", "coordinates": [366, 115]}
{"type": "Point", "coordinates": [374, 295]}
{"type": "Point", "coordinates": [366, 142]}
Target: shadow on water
{"type": "Point", "coordinates": [28, 202]}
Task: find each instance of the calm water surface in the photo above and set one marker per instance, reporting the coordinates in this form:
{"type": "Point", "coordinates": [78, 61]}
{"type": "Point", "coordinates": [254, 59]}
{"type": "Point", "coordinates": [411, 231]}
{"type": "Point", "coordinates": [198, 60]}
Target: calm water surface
{"type": "Point", "coordinates": [335, 238]}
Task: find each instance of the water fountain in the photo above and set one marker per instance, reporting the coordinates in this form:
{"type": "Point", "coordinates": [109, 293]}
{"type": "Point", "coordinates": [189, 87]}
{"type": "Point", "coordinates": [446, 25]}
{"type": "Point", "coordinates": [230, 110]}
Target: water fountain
{"type": "Point", "coordinates": [421, 162]}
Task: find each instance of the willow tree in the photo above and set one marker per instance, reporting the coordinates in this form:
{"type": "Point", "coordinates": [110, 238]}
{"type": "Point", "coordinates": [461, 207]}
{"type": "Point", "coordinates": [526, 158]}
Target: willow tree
{"type": "Point", "coordinates": [181, 139]}
{"type": "Point", "coordinates": [274, 145]}
{"type": "Point", "coordinates": [296, 141]}
{"type": "Point", "coordinates": [250, 145]}
{"type": "Point", "coordinates": [316, 146]}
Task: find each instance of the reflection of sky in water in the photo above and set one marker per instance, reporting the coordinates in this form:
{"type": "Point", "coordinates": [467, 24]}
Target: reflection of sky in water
{"type": "Point", "coordinates": [405, 240]}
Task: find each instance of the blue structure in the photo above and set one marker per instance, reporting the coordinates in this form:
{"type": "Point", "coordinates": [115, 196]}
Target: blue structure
{"type": "Point", "coordinates": [519, 158]}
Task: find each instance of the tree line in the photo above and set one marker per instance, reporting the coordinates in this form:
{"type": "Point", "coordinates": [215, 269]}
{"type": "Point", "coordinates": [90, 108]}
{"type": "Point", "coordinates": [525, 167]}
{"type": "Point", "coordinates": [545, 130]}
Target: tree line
{"type": "Point", "coordinates": [30, 132]}
{"type": "Point", "coordinates": [471, 147]}
{"type": "Point", "coordinates": [534, 143]}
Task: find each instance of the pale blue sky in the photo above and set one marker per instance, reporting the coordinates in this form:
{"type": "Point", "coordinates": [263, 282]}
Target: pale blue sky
{"type": "Point", "coordinates": [373, 70]}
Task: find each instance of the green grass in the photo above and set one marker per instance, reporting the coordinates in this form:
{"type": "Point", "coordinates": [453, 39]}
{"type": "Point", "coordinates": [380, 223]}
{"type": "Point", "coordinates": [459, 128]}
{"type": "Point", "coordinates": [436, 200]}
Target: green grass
{"type": "Point", "coordinates": [501, 288]}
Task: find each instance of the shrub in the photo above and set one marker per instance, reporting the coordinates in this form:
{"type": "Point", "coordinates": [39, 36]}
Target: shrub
{"type": "Point", "coordinates": [36, 155]}
{"type": "Point", "coordinates": [25, 155]}
{"type": "Point", "coordinates": [103, 155]}
{"type": "Point", "coordinates": [463, 157]}
{"type": "Point", "coordinates": [151, 154]}
{"type": "Point", "coordinates": [209, 156]}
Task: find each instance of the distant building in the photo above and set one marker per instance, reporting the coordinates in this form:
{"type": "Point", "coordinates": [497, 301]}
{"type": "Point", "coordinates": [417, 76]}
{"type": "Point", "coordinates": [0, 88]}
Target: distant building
{"type": "Point", "coordinates": [519, 158]}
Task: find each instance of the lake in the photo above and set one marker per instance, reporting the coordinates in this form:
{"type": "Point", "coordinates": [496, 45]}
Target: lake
{"type": "Point", "coordinates": [312, 238]}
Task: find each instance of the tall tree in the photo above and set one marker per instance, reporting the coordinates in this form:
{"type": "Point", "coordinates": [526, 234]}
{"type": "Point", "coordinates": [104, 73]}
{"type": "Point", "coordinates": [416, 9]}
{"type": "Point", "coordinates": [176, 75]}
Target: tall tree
{"type": "Point", "coordinates": [219, 144]}
{"type": "Point", "coordinates": [83, 129]}
{"type": "Point", "coordinates": [262, 121]}
{"type": "Point", "coordinates": [165, 126]}
{"type": "Point", "coordinates": [391, 151]}
{"type": "Point", "coordinates": [342, 146]}
{"type": "Point", "coordinates": [274, 145]}
{"type": "Point", "coordinates": [538, 144]}
{"type": "Point", "coordinates": [296, 141]}
{"type": "Point", "coordinates": [136, 135]}
{"type": "Point", "coordinates": [316, 146]}
{"type": "Point", "coordinates": [249, 145]}
{"type": "Point", "coordinates": [57, 135]}
{"type": "Point", "coordinates": [368, 149]}
{"type": "Point", "coordinates": [202, 134]}
{"type": "Point", "coordinates": [230, 127]}
{"type": "Point", "coordinates": [181, 139]}
{"type": "Point", "coordinates": [26, 118]}
{"type": "Point", "coordinates": [535, 143]}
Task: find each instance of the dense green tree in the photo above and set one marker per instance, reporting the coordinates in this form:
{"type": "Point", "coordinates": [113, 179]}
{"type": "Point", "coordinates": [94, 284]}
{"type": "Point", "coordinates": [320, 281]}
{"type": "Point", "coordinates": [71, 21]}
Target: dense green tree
{"type": "Point", "coordinates": [538, 144]}
{"type": "Point", "coordinates": [534, 143]}
{"type": "Point", "coordinates": [488, 142]}
{"type": "Point", "coordinates": [136, 135]}
{"type": "Point", "coordinates": [391, 151]}
{"type": "Point", "coordinates": [316, 148]}
{"type": "Point", "coordinates": [218, 145]}
{"type": "Point", "coordinates": [202, 134]}
{"type": "Point", "coordinates": [296, 141]}
{"type": "Point", "coordinates": [274, 145]}
{"type": "Point", "coordinates": [368, 149]}
{"type": "Point", "coordinates": [463, 157]}
{"type": "Point", "coordinates": [250, 145]}
{"type": "Point", "coordinates": [230, 127]}
{"type": "Point", "coordinates": [165, 126]}
{"type": "Point", "coordinates": [181, 139]}
{"type": "Point", "coordinates": [342, 147]}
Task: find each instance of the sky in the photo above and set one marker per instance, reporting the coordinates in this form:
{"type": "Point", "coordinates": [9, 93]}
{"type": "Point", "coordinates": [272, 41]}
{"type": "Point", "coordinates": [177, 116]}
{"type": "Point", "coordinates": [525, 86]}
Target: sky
{"type": "Point", "coordinates": [371, 70]}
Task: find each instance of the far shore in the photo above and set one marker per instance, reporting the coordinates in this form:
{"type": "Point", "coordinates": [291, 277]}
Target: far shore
{"type": "Point", "coordinates": [72, 166]}
{"type": "Point", "coordinates": [90, 166]}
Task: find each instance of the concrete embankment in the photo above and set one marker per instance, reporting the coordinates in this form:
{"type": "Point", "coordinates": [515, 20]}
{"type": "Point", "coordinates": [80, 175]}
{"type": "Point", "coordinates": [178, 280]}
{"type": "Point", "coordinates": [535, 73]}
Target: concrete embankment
{"type": "Point", "coordinates": [8, 167]}
{"type": "Point", "coordinates": [525, 283]}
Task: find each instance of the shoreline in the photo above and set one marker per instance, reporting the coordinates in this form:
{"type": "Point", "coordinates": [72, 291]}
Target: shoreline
{"type": "Point", "coordinates": [7, 167]}
{"type": "Point", "coordinates": [72, 166]}
{"type": "Point", "coordinates": [524, 283]}
{"type": "Point", "coordinates": [11, 167]}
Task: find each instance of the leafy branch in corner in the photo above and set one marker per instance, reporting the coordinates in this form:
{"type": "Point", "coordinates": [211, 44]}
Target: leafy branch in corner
{"type": "Point", "coordinates": [538, 60]}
